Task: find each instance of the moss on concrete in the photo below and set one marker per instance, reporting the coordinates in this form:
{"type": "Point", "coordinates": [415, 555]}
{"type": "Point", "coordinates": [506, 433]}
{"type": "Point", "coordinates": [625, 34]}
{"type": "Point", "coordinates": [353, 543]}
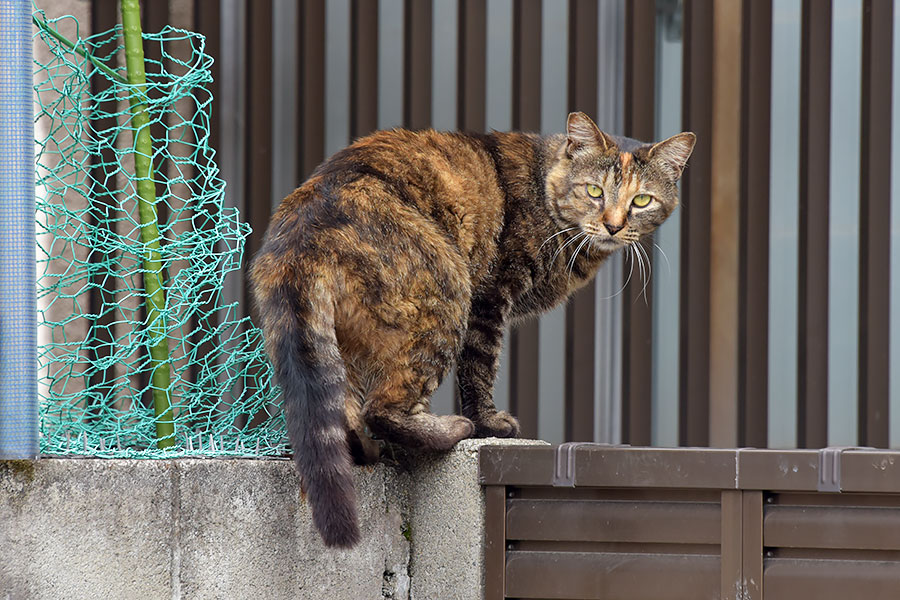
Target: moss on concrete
{"type": "Point", "coordinates": [23, 469]}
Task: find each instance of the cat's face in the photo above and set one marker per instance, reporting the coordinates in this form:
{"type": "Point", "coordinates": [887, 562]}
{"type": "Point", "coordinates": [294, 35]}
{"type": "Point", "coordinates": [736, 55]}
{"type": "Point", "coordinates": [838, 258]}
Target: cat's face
{"type": "Point", "coordinates": [614, 190]}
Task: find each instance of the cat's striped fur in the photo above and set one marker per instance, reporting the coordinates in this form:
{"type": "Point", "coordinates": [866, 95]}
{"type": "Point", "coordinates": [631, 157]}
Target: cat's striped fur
{"type": "Point", "coordinates": [408, 251]}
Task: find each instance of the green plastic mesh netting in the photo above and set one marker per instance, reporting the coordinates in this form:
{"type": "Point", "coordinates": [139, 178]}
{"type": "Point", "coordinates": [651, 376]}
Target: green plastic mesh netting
{"type": "Point", "coordinates": [94, 335]}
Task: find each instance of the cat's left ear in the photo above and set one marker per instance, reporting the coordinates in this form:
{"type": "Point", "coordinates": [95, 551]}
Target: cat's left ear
{"type": "Point", "coordinates": [672, 154]}
{"type": "Point", "coordinates": [583, 134]}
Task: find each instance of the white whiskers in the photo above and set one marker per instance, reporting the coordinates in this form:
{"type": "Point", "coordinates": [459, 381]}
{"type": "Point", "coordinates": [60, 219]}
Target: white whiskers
{"type": "Point", "coordinates": [575, 255]}
{"type": "Point", "coordinates": [556, 234]}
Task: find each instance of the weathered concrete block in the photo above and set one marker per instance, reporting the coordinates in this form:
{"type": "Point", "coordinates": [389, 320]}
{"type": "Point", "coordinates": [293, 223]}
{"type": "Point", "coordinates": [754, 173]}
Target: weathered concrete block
{"type": "Point", "coordinates": [85, 529]}
{"type": "Point", "coordinates": [447, 523]}
{"type": "Point", "coordinates": [244, 531]}
{"type": "Point", "coordinates": [211, 528]}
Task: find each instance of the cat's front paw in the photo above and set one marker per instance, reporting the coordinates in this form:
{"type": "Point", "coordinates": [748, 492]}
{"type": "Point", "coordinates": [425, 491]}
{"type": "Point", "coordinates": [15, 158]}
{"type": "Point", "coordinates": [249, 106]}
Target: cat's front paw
{"type": "Point", "coordinates": [499, 424]}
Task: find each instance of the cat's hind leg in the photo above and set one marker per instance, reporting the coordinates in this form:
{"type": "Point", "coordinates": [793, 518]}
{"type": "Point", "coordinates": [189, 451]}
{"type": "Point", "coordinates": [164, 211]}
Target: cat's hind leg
{"type": "Point", "coordinates": [396, 409]}
{"type": "Point", "coordinates": [363, 449]}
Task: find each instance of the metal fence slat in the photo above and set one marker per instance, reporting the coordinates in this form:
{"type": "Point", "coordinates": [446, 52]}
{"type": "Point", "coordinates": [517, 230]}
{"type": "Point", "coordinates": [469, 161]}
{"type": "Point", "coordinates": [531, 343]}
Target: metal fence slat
{"type": "Point", "coordinates": [875, 223]}
{"type": "Point", "coordinates": [815, 143]}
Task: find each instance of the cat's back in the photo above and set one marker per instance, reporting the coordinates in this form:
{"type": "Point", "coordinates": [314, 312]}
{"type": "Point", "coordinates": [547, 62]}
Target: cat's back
{"type": "Point", "coordinates": [440, 187]}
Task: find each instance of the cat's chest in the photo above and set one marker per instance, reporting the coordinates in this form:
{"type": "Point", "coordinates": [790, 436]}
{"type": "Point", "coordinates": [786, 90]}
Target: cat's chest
{"type": "Point", "coordinates": [552, 287]}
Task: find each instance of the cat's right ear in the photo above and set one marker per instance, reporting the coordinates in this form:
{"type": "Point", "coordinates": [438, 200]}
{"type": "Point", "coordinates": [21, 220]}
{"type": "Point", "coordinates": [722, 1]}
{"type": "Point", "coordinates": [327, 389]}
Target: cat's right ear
{"type": "Point", "coordinates": [583, 134]}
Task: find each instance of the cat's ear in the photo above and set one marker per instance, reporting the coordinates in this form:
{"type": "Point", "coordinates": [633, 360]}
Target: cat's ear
{"type": "Point", "coordinates": [582, 134]}
{"type": "Point", "coordinates": [672, 154]}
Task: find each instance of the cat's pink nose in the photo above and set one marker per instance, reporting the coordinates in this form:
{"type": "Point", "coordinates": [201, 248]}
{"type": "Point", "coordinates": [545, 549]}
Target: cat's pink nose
{"type": "Point", "coordinates": [612, 228]}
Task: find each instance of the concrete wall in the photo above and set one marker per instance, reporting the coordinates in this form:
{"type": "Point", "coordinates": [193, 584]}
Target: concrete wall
{"type": "Point", "coordinates": [209, 528]}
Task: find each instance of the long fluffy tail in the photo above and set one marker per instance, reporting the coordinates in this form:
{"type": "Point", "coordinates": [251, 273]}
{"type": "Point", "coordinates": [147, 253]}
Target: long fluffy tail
{"type": "Point", "coordinates": [299, 329]}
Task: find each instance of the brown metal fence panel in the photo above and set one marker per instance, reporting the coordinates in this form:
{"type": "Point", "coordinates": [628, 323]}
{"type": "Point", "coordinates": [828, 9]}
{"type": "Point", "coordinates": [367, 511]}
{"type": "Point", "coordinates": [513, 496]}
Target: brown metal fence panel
{"type": "Point", "coordinates": [208, 21]}
{"type": "Point", "coordinates": [875, 223]}
{"type": "Point", "coordinates": [418, 15]}
{"type": "Point", "coordinates": [103, 17]}
{"type": "Point", "coordinates": [258, 155]}
{"type": "Point", "coordinates": [637, 315]}
{"type": "Point", "coordinates": [815, 144]}
{"type": "Point", "coordinates": [595, 521]}
{"type": "Point", "coordinates": [695, 225]}
{"type": "Point", "coordinates": [524, 340]}
{"type": "Point", "coordinates": [753, 334]}
{"type": "Point", "coordinates": [363, 67]}
{"type": "Point", "coordinates": [580, 312]}
{"type": "Point", "coordinates": [311, 94]}
{"type": "Point", "coordinates": [471, 66]}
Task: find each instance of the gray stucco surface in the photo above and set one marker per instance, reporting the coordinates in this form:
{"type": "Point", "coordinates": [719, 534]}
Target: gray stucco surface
{"type": "Point", "coordinates": [212, 528]}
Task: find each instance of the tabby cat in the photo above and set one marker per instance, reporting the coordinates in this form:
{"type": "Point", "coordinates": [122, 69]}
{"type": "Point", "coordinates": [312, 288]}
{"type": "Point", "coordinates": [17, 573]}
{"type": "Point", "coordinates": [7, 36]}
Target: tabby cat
{"type": "Point", "coordinates": [408, 251]}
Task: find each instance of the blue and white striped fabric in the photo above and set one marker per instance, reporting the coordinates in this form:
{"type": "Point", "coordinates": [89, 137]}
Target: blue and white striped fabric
{"type": "Point", "coordinates": [18, 320]}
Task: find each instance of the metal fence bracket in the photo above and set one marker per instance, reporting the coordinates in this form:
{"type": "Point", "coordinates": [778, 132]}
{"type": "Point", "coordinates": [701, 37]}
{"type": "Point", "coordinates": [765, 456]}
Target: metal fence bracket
{"type": "Point", "coordinates": [829, 479]}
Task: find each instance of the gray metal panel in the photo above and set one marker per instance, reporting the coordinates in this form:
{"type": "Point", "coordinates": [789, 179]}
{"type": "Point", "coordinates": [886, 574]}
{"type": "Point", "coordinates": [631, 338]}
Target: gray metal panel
{"type": "Point", "coordinates": [784, 185]}
{"type": "Point", "coordinates": [443, 117]}
{"type": "Point", "coordinates": [390, 63]}
{"type": "Point", "coordinates": [498, 78]}
{"type": "Point", "coordinates": [843, 327]}
{"type": "Point", "coordinates": [554, 83]}
{"type": "Point", "coordinates": [337, 75]}
{"type": "Point", "coordinates": [667, 256]}
{"type": "Point", "coordinates": [230, 104]}
{"type": "Point", "coordinates": [285, 72]}
{"type": "Point", "coordinates": [443, 90]}
{"type": "Point", "coordinates": [610, 278]}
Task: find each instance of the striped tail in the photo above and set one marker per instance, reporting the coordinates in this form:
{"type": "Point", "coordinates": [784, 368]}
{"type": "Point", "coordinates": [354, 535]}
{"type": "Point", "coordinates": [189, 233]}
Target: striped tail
{"type": "Point", "coordinates": [301, 342]}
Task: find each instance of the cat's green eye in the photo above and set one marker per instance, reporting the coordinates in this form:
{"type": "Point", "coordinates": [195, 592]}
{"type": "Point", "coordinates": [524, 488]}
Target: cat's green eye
{"type": "Point", "coordinates": [594, 191]}
{"type": "Point", "coordinates": [642, 200]}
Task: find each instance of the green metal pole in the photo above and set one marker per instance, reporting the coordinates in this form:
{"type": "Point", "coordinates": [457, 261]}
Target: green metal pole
{"type": "Point", "coordinates": [143, 168]}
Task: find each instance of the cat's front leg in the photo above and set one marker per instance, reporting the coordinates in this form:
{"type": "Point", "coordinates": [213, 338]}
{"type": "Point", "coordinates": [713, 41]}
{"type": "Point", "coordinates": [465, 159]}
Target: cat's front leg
{"type": "Point", "coordinates": [477, 365]}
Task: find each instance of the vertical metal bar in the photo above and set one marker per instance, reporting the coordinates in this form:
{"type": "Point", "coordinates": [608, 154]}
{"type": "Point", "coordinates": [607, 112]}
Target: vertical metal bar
{"type": "Point", "coordinates": [103, 166]}
{"type": "Point", "coordinates": [494, 542]}
{"type": "Point", "coordinates": [363, 67]}
{"type": "Point", "coordinates": [526, 115]}
{"type": "Point", "coordinates": [287, 102]}
{"type": "Point", "coordinates": [580, 312]}
{"type": "Point", "coordinates": [312, 86]}
{"type": "Point", "coordinates": [732, 544]}
{"type": "Point", "coordinates": [258, 190]}
{"type": "Point", "coordinates": [208, 21]}
{"type": "Point", "coordinates": [815, 143]}
{"type": "Point", "coordinates": [637, 312]}
{"type": "Point", "coordinates": [18, 332]}
{"type": "Point", "coordinates": [695, 225]}
{"type": "Point", "coordinates": [417, 54]}
{"type": "Point", "coordinates": [471, 103]}
{"type": "Point", "coordinates": [471, 66]}
{"type": "Point", "coordinates": [875, 223]}
{"type": "Point", "coordinates": [527, 48]}
{"type": "Point", "coordinates": [753, 372]}
{"type": "Point", "coordinates": [724, 228]}
{"type": "Point", "coordinates": [752, 543]}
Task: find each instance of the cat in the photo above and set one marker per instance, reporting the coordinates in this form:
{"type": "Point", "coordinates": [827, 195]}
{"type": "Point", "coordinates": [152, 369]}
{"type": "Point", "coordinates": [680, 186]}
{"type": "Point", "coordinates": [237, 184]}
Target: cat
{"type": "Point", "coordinates": [407, 251]}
